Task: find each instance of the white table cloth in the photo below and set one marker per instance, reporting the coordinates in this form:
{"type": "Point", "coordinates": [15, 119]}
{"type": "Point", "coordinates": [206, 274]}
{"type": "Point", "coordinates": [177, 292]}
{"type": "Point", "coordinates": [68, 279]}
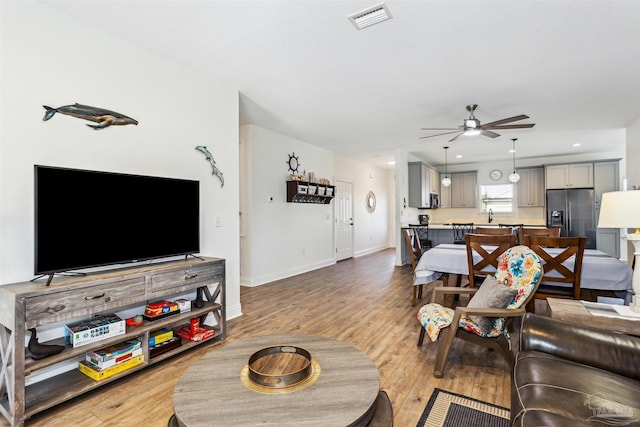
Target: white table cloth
{"type": "Point", "coordinates": [599, 270]}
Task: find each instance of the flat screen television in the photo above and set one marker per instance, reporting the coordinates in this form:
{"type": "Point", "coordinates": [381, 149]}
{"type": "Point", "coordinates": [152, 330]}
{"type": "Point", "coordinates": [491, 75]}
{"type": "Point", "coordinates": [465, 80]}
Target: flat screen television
{"type": "Point", "coordinates": [88, 218]}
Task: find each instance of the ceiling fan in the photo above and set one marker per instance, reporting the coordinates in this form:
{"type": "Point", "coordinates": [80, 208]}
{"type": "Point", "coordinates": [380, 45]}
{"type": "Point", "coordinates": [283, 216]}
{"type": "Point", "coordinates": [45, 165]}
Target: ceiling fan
{"type": "Point", "coordinates": [472, 126]}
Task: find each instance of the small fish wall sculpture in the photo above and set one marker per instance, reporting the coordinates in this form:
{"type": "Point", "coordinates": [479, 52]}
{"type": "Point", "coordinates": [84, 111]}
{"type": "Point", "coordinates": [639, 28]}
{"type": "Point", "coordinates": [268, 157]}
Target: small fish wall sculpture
{"type": "Point", "coordinates": [104, 118]}
{"type": "Point", "coordinates": [209, 157]}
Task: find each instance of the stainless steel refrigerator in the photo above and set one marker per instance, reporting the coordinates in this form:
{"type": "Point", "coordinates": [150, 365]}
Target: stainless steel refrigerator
{"type": "Point", "coordinates": [574, 212]}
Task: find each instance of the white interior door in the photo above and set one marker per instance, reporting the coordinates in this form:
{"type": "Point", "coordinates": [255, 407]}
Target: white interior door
{"type": "Point", "coordinates": [344, 220]}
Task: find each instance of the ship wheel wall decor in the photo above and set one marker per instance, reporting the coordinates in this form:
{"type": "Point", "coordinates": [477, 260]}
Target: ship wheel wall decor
{"type": "Point", "coordinates": [293, 162]}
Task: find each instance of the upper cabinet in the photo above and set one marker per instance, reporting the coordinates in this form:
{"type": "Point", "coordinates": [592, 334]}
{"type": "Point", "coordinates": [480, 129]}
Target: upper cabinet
{"type": "Point", "coordinates": [579, 175]}
{"type": "Point", "coordinates": [531, 187]}
{"type": "Point", "coordinates": [422, 181]}
{"type": "Point", "coordinates": [434, 181]}
{"type": "Point", "coordinates": [464, 189]}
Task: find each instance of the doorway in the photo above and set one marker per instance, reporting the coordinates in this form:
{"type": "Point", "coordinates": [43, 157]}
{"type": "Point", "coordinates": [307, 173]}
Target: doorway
{"type": "Point", "coordinates": [344, 220]}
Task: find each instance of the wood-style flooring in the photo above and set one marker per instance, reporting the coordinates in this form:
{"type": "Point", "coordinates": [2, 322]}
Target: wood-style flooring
{"type": "Point", "coordinates": [364, 301]}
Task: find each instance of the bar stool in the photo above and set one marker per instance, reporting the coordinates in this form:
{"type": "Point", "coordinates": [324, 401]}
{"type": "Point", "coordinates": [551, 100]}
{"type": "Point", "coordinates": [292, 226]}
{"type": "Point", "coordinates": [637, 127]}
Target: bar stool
{"type": "Point", "coordinates": [459, 230]}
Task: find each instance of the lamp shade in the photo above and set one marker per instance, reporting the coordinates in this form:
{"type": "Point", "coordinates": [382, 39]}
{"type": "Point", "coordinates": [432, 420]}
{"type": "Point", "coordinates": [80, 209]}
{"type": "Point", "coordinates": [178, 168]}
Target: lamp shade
{"type": "Point", "coordinates": [620, 209]}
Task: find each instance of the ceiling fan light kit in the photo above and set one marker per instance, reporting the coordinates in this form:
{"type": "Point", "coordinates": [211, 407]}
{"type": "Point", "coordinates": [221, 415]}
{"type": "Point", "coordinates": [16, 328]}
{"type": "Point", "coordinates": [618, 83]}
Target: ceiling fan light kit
{"type": "Point", "coordinates": [473, 127]}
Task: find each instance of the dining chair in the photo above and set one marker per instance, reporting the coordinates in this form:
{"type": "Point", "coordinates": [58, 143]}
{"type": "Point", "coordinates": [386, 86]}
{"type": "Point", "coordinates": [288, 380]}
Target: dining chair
{"type": "Point", "coordinates": [415, 252]}
{"type": "Point", "coordinates": [545, 232]}
{"type": "Point", "coordinates": [562, 263]}
{"type": "Point", "coordinates": [493, 306]}
{"type": "Point", "coordinates": [488, 248]}
{"type": "Point", "coordinates": [516, 230]}
{"type": "Point", "coordinates": [493, 230]}
{"type": "Point", "coordinates": [459, 230]}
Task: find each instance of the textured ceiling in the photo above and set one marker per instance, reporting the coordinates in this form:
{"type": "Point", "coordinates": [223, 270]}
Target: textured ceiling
{"type": "Point", "coordinates": [303, 69]}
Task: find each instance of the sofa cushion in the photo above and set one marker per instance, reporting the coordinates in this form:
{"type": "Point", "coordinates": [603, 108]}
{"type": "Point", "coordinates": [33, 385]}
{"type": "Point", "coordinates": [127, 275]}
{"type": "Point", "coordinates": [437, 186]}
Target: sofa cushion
{"type": "Point", "coordinates": [548, 388]}
{"type": "Point", "coordinates": [490, 295]}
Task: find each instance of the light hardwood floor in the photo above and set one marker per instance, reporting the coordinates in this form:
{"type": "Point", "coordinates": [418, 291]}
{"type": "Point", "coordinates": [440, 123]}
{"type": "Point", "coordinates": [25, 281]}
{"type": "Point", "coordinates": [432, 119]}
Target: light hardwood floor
{"type": "Point", "coordinates": [364, 301]}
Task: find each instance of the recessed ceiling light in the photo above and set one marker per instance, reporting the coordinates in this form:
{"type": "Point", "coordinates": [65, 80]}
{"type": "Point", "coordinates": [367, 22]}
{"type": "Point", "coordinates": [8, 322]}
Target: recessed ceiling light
{"type": "Point", "coordinates": [370, 16]}
{"type": "Point", "coordinates": [391, 162]}
{"type": "Point", "coordinates": [577, 144]}
{"type": "Point", "coordinates": [511, 150]}
{"type": "Point", "coordinates": [458, 156]}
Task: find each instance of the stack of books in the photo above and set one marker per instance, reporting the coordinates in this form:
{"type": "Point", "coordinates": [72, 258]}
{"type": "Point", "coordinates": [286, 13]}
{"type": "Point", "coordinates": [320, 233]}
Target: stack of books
{"type": "Point", "coordinates": [101, 364]}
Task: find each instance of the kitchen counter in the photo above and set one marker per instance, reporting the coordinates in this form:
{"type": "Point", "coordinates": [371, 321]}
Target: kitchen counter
{"type": "Point", "coordinates": [440, 226]}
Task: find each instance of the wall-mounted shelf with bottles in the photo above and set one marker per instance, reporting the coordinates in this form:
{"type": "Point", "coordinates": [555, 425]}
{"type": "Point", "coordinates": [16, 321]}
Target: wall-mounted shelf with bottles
{"type": "Point", "coordinates": [309, 192]}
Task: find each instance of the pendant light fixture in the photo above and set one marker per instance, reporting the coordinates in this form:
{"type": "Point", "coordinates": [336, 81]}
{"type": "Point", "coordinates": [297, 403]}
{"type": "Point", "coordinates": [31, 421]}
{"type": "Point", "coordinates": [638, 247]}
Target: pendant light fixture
{"type": "Point", "coordinates": [514, 177]}
{"type": "Point", "coordinates": [446, 181]}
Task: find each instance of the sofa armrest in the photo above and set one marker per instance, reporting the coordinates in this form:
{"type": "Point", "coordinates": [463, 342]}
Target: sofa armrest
{"type": "Point", "coordinates": [611, 351]}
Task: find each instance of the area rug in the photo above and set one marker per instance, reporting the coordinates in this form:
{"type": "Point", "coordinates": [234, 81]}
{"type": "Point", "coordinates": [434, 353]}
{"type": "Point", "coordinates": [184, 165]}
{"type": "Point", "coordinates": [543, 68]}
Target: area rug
{"type": "Point", "coordinates": [446, 409]}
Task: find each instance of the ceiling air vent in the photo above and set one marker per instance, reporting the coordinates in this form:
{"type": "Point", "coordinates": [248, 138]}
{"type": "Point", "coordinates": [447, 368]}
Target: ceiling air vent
{"type": "Point", "coordinates": [370, 16]}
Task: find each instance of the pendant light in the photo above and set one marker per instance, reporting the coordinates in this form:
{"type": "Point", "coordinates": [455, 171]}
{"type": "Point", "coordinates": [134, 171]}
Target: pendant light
{"type": "Point", "coordinates": [514, 177]}
{"type": "Point", "coordinates": [446, 181]}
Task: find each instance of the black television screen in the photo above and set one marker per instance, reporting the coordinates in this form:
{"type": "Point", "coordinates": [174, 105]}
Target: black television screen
{"type": "Point", "coordinates": [88, 218]}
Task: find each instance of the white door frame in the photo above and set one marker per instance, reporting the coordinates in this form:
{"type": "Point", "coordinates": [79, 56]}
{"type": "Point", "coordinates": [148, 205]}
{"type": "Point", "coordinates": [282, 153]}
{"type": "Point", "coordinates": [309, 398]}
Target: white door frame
{"type": "Point", "coordinates": [343, 224]}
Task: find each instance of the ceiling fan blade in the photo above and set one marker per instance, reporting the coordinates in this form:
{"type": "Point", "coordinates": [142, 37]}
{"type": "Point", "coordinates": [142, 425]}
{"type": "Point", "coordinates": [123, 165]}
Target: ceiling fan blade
{"type": "Point", "coordinates": [503, 121]}
{"type": "Point", "coordinates": [446, 133]}
{"type": "Point", "coordinates": [456, 137]}
{"type": "Point", "coordinates": [439, 128]}
{"type": "Point", "coordinates": [489, 133]}
{"type": "Point", "coordinates": [521, 126]}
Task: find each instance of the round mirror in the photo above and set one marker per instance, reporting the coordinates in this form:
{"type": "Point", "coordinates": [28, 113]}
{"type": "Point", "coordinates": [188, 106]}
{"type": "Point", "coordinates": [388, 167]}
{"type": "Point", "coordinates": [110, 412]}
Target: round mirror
{"type": "Point", "coordinates": [371, 202]}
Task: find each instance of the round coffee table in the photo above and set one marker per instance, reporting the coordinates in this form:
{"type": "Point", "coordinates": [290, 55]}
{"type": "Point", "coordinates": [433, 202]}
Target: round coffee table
{"type": "Point", "coordinates": [211, 391]}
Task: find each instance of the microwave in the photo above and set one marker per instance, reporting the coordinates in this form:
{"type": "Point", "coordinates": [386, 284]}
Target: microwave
{"type": "Point", "coordinates": [434, 201]}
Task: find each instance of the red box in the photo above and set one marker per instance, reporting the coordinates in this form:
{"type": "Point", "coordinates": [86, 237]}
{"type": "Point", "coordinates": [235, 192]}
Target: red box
{"type": "Point", "coordinates": [201, 334]}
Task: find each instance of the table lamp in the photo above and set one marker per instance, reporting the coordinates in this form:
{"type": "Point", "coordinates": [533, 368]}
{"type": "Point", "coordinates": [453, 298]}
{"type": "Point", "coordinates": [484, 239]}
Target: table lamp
{"type": "Point", "coordinates": [621, 209]}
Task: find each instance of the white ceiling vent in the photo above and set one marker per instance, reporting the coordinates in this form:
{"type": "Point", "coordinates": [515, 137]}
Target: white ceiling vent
{"type": "Point", "coordinates": [370, 16]}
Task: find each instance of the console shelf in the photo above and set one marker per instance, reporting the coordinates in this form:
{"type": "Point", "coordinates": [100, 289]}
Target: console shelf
{"type": "Point", "coordinates": [28, 305]}
{"type": "Point", "coordinates": [310, 192]}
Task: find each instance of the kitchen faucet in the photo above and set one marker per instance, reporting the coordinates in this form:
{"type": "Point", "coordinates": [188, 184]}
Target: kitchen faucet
{"type": "Point", "coordinates": [490, 215]}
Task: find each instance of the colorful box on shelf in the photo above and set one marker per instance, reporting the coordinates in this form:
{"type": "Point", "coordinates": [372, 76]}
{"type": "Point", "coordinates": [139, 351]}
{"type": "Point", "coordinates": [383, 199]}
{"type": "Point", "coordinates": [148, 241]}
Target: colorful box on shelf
{"type": "Point", "coordinates": [200, 333]}
{"type": "Point", "coordinates": [160, 309]}
{"type": "Point", "coordinates": [98, 374]}
{"type": "Point", "coordinates": [160, 336]}
{"type": "Point", "coordinates": [114, 354]}
{"type": "Point", "coordinates": [184, 305]}
{"type": "Point", "coordinates": [97, 329]}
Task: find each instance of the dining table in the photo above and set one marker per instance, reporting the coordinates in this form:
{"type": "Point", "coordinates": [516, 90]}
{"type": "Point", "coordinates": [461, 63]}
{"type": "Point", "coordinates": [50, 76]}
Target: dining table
{"type": "Point", "coordinates": [600, 271]}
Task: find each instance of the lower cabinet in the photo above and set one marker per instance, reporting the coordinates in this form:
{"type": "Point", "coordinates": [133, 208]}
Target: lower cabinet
{"type": "Point", "coordinates": [31, 305]}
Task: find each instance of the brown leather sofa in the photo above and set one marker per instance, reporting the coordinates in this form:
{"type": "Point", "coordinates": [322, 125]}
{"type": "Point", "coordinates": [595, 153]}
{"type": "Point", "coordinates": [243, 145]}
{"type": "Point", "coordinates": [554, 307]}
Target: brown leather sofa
{"type": "Point", "coordinates": [568, 374]}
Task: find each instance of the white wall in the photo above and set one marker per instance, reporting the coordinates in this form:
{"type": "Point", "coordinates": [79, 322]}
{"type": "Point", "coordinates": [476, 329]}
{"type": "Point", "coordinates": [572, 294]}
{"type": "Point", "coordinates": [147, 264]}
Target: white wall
{"type": "Point", "coordinates": [281, 239]}
{"type": "Point", "coordinates": [371, 230]}
{"type": "Point", "coordinates": [632, 172]}
{"type": "Point", "coordinates": [49, 58]}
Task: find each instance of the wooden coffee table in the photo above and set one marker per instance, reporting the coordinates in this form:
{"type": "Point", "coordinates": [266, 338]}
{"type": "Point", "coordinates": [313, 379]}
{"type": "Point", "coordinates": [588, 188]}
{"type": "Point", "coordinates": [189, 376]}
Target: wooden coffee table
{"type": "Point", "coordinates": [211, 392]}
{"type": "Point", "coordinates": [574, 311]}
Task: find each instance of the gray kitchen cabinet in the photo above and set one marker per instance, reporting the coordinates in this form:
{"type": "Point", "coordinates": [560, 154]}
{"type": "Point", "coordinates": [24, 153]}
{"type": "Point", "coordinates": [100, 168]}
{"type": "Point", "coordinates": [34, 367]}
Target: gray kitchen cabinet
{"type": "Point", "coordinates": [434, 181]}
{"type": "Point", "coordinates": [421, 185]}
{"type": "Point", "coordinates": [606, 178]}
{"type": "Point", "coordinates": [464, 189]}
{"type": "Point", "coordinates": [530, 188]}
{"type": "Point", "coordinates": [577, 175]}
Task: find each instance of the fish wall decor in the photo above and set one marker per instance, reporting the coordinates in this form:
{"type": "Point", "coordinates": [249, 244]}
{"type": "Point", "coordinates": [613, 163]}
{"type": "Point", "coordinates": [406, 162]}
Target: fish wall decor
{"type": "Point", "coordinates": [104, 118]}
{"type": "Point", "coordinates": [209, 157]}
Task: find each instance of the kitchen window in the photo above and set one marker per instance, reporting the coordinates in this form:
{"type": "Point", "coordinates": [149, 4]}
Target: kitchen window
{"type": "Point", "coordinates": [497, 197]}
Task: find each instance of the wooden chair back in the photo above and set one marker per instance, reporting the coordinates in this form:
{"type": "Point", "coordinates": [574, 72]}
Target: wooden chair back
{"type": "Point", "coordinates": [413, 244]}
{"type": "Point", "coordinates": [459, 230]}
{"type": "Point", "coordinates": [493, 230]}
{"type": "Point", "coordinates": [544, 232]}
{"type": "Point", "coordinates": [489, 247]}
{"type": "Point", "coordinates": [561, 259]}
